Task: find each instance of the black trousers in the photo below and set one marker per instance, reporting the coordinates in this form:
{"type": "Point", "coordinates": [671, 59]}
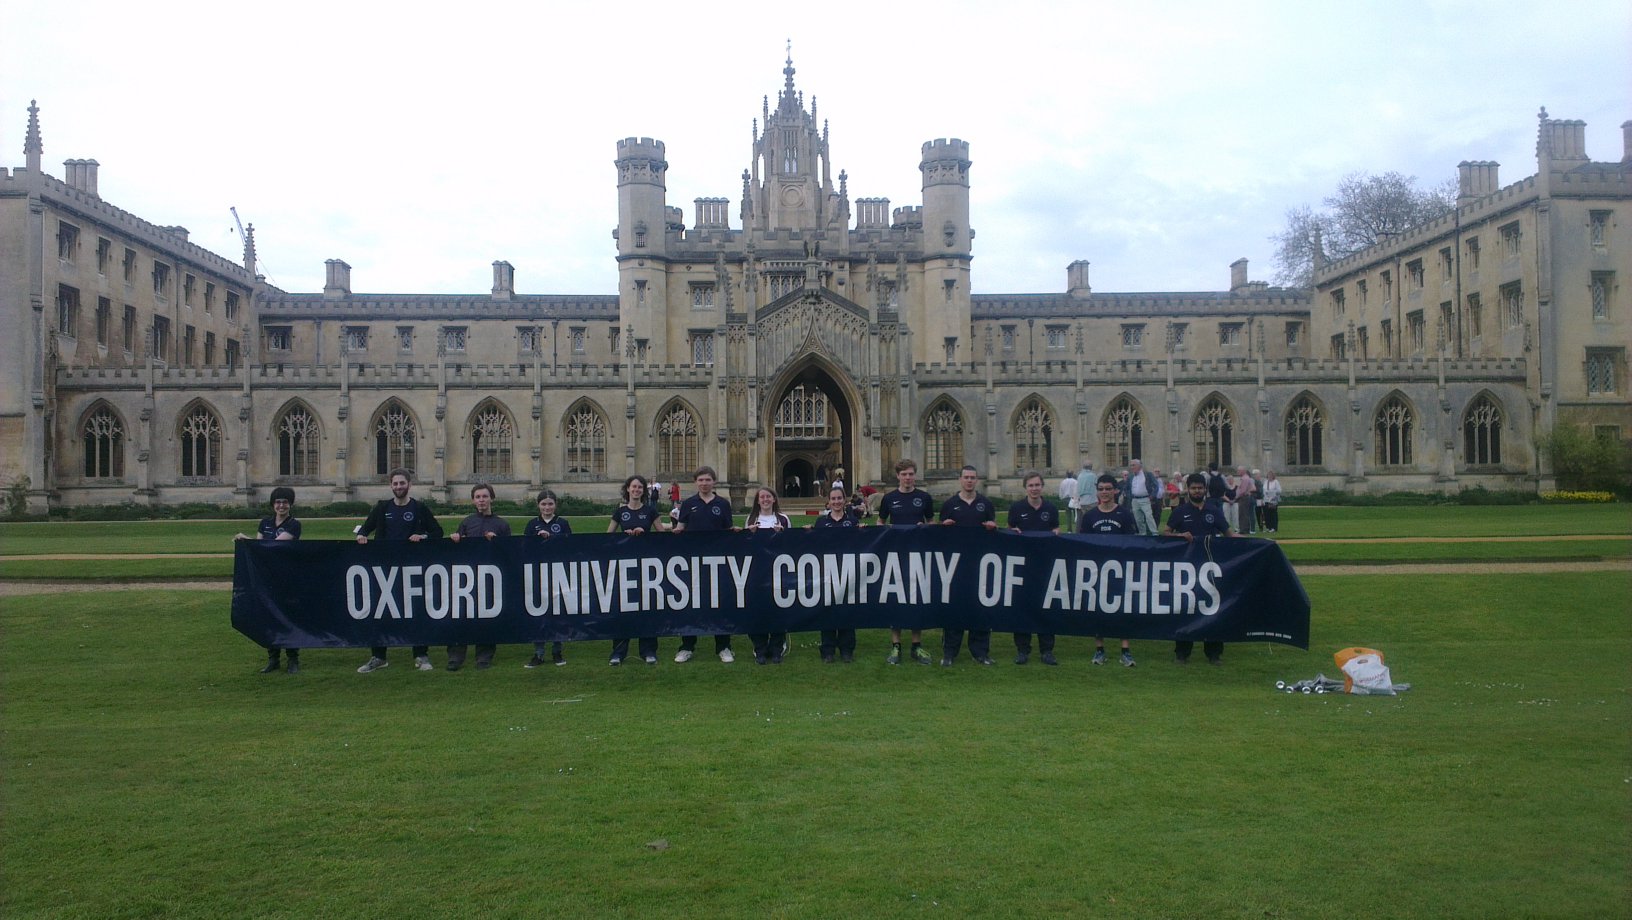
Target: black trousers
{"type": "Point", "coordinates": [647, 646]}
{"type": "Point", "coordinates": [1213, 650]}
{"type": "Point", "coordinates": [420, 651]}
{"type": "Point", "coordinates": [1272, 517]}
{"type": "Point", "coordinates": [980, 643]}
{"type": "Point", "coordinates": [841, 640]}
{"type": "Point", "coordinates": [483, 653]}
{"type": "Point", "coordinates": [768, 644]}
{"type": "Point", "coordinates": [1045, 643]}
{"type": "Point", "coordinates": [689, 643]}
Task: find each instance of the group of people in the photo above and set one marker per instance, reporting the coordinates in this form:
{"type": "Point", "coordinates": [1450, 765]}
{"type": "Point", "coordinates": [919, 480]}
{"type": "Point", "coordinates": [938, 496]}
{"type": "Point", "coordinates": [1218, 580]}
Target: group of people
{"type": "Point", "coordinates": [1251, 499]}
{"type": "Point", "coordinates": [1104, 505]}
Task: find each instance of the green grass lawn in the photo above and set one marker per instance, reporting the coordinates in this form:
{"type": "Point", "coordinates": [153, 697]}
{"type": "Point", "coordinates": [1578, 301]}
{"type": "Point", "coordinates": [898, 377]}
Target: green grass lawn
{"type": "Point", "coordinates": [150, 773]}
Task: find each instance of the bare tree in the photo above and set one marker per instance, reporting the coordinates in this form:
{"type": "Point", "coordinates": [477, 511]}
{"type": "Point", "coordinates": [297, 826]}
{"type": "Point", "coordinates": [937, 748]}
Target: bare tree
{"type": "Point", "coordinates": [1365, 210]}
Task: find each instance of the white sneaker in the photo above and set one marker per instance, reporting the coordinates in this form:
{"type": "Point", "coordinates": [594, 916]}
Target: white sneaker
{"type": "Point", "coordinates": [651, 659]}
{"type": "Point", "coordinates": [423, 663]}
{"type": "Point", "coordinates": [373, 664]}
{"type": "Point", "coordinates": [726, 656]}
{"type": "Point", "coordinates": [682, 656]}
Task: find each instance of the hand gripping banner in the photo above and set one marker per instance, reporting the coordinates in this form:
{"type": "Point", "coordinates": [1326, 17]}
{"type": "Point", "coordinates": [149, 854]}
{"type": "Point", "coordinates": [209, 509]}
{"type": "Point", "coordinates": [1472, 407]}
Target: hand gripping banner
{"type": "Point", "coordinates": [317, 594]}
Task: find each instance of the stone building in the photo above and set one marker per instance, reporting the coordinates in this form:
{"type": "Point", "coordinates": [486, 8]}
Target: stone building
{"type": "Point", "coordinates": [807, 332]}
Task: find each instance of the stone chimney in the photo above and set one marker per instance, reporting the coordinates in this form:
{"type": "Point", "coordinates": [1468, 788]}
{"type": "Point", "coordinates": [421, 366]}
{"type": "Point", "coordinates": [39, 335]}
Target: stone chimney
{"type": "Point", "coordinates": [1076, 279]}
{"type": "Point", "coordinates": [1475, 179]}
{"type": "Point", "coordinates": [1561, 141]}
{"type": "Point", "coordinates": [81, 175]}
{"type": "Point", "coordinates": [504, 281]}
{"type": "Point", "coordinates": [1238, 276]}
{"type": "Point", "coordinates": [338, 280]}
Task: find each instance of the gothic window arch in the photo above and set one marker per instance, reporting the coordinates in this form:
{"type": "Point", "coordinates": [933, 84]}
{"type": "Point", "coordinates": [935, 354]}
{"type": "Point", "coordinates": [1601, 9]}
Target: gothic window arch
{"type": "Point", "coordinates": [492, 441]}
{"type": "Point", "coordinates": [679, 441]}
{"type": "Point", "coordinates": [803, 413]}
{"type": "Point", "coordinates": [943, 436]}
{"type": "Point", "coordinates": [396, 437]}
{"type": "Point", "coordinates": [104, 436]}
{"type": "Point", "coordinates": [1482, 432]}
{"type": "Point", "coordinates": [585, 431]}
{"type": "Point", "coordinates": [1124, 428]}
{"type": "Point", "coordinates": [200, 433]}
{"type": "Point", "coordinates": [1392, 428]}
{"type": "Point", "coordinates": [1033, 435]}
{"type": "Point", "coordinates": [299, 439]}
{"type": "Point", "coordinates": [1305, 432]}
{"type": "Point", "coordinates": [1214, 433]}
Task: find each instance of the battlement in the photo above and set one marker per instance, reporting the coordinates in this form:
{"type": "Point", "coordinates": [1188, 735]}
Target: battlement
{"type": "Point", "coordinates": [946, 149]}
{"type": "Point", "coordinates": [640, 147]}
{"type": "Point", "coordinates": [911, 216]}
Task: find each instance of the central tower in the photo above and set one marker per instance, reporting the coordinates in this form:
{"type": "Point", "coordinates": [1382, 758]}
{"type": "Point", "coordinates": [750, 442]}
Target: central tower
{"type": "Point", "coordinates": [790, 184]}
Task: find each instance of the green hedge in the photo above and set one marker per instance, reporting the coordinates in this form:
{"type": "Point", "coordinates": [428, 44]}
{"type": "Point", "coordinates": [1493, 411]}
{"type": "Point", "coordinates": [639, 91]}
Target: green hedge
{"type": "Point", "coordinates": [566, 505]}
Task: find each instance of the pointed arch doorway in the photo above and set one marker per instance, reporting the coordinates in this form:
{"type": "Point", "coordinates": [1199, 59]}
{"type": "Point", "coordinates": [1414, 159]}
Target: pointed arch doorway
{"type": "Point", "coordinates": [812, 425]}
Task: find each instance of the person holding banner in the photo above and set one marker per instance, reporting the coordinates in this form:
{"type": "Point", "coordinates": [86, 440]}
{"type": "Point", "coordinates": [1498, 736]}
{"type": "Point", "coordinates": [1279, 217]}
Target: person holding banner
{"type": "Point", "coordinates": [968, 508]}
{"type": "Point", "coordinates": [705, 511]}
{"type": "Point", "coordinates": [838, 515]}
{"type": "Point", "coordinates": [906, 504]}
{"type": "Point", "coordinates": [1108, 516]}
{"type": "Point", "coordinates": [282, 525]}
{"type": "Point", "coordinates": [543, 527]}
{"type": "Point", "coordinates": [399, 518]}
{"type": "Point", "coordinates": [1197, 516]}
{"type": "Point", "coordinates": [634, 517]}
{"type": "Point", "coordinates": [483, 525]}
{"type": "Point", "coordinates": [1034, 514]}
{"type": "Point", "coordinates": [768, 517]}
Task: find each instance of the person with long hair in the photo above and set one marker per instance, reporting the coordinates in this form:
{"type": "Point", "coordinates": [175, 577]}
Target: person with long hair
{"type": "Point", "coordinates": [767, 517]}
{"type": "Point", "coordinates": [634, 517]}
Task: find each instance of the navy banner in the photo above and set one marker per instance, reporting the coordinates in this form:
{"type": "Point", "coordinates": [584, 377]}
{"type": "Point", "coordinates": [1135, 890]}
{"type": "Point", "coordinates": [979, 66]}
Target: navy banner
{"type": "Point", "coordinates": [315, 594]}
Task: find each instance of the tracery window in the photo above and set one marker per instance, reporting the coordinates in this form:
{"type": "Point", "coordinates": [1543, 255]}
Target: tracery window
{"type": "Point", "coordinates": [943, 437]}
{"type": "Point", "coordinates": [1393, 432]}
{"type": "Point", "coordinates": [298, 442]}
{"type": "Point", "coordinates": [1124, 432]}
{"type": "Point", "coordinates": [200, 444]}
{"type": "Point", "coordinates": [394, 439]}
{"type": "Point", "coordinates": [1033, 436]}
{"type": "Point", "coordinates": [1305, 432]}
{"type": "Point", "coordinates": [1214, 433]}
{"type": "Point", "coordinates": [104, 445]}
{"type": "Point", "coordinates": [1482, 433]}
{"type": "Point", "coordinates": [492, 435]}
{"type": "Point", "coordinates": [802, 414]}
{"type": "Point", "coordinates": [586, 443]}
{"type": "Point", "coordinates": [678, 443]}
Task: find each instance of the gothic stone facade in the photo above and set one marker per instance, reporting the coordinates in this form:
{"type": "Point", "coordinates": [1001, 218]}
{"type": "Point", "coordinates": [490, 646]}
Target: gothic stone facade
{"type": "Point", "coordinates": [817, 332]}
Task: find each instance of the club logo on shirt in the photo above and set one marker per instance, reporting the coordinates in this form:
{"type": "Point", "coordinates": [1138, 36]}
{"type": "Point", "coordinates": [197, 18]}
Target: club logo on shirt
{"type": "Point", "coordinates": [715, 510]}
{"type": "Point", "coordinates": [407, 515]}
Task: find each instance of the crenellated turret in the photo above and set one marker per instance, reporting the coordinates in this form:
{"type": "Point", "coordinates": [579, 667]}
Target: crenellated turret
{"type": "Point", "coordinates": [642, 235]}
{"type": "Point", "coordinates": [947, 242]}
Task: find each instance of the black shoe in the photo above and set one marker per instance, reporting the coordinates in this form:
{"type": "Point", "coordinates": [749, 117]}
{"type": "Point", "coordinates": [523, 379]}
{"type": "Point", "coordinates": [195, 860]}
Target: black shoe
{"type": "Point", "coordinates": [294, 664]}
{"type": "Point", "coordinates": [985, 660]}
{"type": "Point", "coordinates": [946, 662]}
{"type": "Point", "coordinates": [759, 658]}
{"type": "Point", "coordinates": [455, 664]}
{"type": "Point", "coordinates": [776, 659]}
{"type": "Point", "coordinates": [827, 659]}
{"type": "Point", "coordinates": [1049, 659]}
{"type": "Point", "coordinates": [483, 664]}
{"type": "Point", "coordinates": [847, 657]}
{"type": "Point", "coordinates": [271, 665]}
{"type": "Point", "coordinates": [1022, 657]}
{"type": "Point", "coordinates": [1215, 661]}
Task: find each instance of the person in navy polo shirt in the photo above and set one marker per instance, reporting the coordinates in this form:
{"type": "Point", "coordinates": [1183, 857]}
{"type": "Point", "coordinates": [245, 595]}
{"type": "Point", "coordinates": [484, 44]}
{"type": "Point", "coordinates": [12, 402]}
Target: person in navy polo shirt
{"type": "Point", "coordinates": [1033, 514]}
{"type": "Point", "coordinates": [543, 527]}
{"type": "Point", "coordinates": [483, 525]}
{"type": "Point", "coordinates": [282, 525]}
{"type": "Point", "coordinates": [636, 516]}
{"type": "Point", "coordinates": [399, 518]}
{"type": "Point", "coordinates": [1107, 516]}
{"type": "Point", "coordinates": [906, 504]}
{"type": "Point", "coordinates": [838, 516]}
{"type": "Point", "coordinates": [705, 511]}
{"type": "Point", "coordinates": [1197, 516]}
{"type": "Point", "coordinates": [968, 508]}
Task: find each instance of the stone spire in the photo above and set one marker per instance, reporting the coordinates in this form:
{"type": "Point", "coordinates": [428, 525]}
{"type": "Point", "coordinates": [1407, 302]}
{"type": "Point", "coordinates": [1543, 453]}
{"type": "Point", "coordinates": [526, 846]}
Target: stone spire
{"type": "Point", "coordinates": [33, 148]}
{"type": "Point", "coordinates": [249, 249]}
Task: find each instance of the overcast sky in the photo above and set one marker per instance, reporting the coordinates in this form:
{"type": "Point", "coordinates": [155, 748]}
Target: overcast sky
{"type": "Point", "coordinates": [1160, 141]}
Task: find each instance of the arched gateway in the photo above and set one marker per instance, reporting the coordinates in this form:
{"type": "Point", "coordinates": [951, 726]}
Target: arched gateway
{"type": "Point", "coordinates": [812, 426]}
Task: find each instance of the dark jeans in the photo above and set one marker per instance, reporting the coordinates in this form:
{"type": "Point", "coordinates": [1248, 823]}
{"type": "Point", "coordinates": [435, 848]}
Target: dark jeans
{"type": "Point", "coordinates": [842, 640]}
{"type": "Point", "coordinates": [420, 651]}
{"type": "Point", "coordinates": [768, 644]}
{"type": "Point", "coordinates": [1213, 650]}
{"type": "Point", "coordinates": [456, 653]}
{"type": "Point", "coordinates": [689, 643]}
{"type": "Point", "coordinates": [980, 643]}
{"type": "Point", "coordinates": [1045, 643]}
{"type": "Point", "coordinates": [647, 646]}
{"type": "Point", "coordinates": [1272, 517]}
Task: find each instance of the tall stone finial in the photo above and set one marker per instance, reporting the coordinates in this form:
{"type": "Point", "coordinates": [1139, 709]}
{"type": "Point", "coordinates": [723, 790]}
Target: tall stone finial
{"type": "Point", "coordinates": [844, 184]}
{"type": "Point", "coordinates": [249, 249]}
{"type": "Point", "coordinates": [33, 147]}
{"type": "Point", "coordinates": [787, 72]}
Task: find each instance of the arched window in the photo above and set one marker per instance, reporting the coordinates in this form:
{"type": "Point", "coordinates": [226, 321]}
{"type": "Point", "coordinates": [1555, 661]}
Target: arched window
{"type": "Point", "coordinates": [678, 442]}
{"type": "Point", "coordinates": [298, 442]}
{"type": "Point", "coordinates": [1214, 431]}
{"type": "Point", "coordinates": [492, 436]}
{"type": "Point", "coordinates": [586, 442]}
{"type": "Point", "coordinates": [1393, 431]}
{"type": "Point", "coordinates": [200, 432]}
{"type": "Point", "coordinates": [1482, 433]}
{"type": "Point", "coordinates": [1033, 436]}
{"type": "Point", "coordinates": [1124, 432]}
{"type": "Point", "coordinates": [395, 435]}
{"type": "Point", "coordinates": [943, 436]}
{"type": "Point", "coordinates": [802, 414]}
{"type": "Point", "coordinates": [1305, 432]}
{"type": "Point", "coordinates": [104, 445]}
